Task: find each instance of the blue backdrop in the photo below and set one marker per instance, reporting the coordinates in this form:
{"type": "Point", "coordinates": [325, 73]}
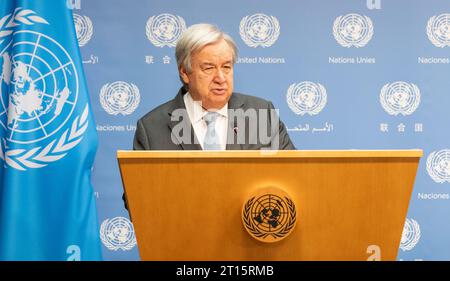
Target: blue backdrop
{"type": "Point", "coordinates": [345, 75]}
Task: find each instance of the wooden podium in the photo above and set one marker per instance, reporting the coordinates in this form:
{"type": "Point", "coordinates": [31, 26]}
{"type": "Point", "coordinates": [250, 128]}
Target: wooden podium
{"type": "Point", "coordinates": [187, 205]}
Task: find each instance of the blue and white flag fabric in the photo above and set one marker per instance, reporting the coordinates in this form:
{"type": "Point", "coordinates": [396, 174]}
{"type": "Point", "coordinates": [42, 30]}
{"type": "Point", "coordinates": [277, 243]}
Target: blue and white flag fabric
{"type": "Point", "coordinates": [48, 137]}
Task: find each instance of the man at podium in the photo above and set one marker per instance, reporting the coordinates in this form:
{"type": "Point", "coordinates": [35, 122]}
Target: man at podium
{"type": "Point", "coordinates": [248, 216]}
{"type": "Point", "coordinates": [206, 114]}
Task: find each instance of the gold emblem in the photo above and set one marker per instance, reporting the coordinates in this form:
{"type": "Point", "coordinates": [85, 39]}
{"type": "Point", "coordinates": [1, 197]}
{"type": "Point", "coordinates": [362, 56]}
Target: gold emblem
{"type": "Point", "coordinates": [269, 215]}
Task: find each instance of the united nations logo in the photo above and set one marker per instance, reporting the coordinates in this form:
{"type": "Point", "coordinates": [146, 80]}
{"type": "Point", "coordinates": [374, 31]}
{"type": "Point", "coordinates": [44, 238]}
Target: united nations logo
{"type": "Point", "coordinates": [306, 97]}
{"type": "Point", "coordinates": [400, 98]}
{"type": "Point", "coordinates": [38, 94]}
{"type": "Point", "coordinates": [438, 165]}
{"type": "Point", "coordinates": [269, 215]}
{"type": "Point", "coordinates": [165, 29]}
{"type": "Point", "coordinates": [259, 30]}
{"type": "Point", "coordinates": [84, 29]}
{"type": "Point", "coordinates": [353, 30]}
{"type": "Point", "coordinates": [119, 98]}
{"type": "Point", "coordinates": [438, 30]}
{"type": "Point", "coordinates": [118, 233]}
{"type": "Point", "coordinates": [410, 235]}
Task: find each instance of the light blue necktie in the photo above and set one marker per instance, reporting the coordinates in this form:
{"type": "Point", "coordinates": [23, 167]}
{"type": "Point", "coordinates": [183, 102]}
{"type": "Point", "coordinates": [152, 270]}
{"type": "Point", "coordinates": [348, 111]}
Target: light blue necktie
{"type": "Point", "coordinates": [211, 141]}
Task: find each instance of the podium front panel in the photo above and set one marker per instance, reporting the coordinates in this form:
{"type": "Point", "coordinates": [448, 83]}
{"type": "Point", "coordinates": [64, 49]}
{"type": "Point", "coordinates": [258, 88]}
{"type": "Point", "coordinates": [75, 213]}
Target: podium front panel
{"type": "Point", "coordinates": [188, 205]}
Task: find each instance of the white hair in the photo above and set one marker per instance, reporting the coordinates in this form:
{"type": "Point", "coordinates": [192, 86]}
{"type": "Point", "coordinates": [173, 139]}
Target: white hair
{"type": "Point", "coordinates": [195, 38]}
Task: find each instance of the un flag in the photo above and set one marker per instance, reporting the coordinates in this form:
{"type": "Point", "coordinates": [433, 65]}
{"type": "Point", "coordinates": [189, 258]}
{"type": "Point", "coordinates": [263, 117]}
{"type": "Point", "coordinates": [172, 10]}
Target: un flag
{"type": "Point", "coordinates": [48, 137]}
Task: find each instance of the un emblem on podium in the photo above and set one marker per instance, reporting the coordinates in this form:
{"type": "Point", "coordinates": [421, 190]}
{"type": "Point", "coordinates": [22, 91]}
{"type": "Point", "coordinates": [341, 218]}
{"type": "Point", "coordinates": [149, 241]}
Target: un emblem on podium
{"type": "Point", "coordinates": [269, 215]}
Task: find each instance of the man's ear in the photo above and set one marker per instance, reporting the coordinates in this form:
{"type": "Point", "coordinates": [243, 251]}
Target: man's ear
{"type": "Point", "coordinates": [183, 74]}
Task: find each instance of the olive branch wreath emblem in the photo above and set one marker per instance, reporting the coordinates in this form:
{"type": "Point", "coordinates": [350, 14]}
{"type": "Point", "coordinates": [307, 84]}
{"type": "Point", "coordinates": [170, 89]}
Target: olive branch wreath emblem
{"type": "Point", "coordinates": [18, 17]}
{"type": "Point", "coordinates": [40, 156]}
{"type": "Point", "coordinates": [248, 220]}
{"type": "Point", "coordinates": [296, 87]}
{"type": "Point", "coordinates": [431, 31]}
{"type": "Point", "coordinates": [107, 238]}
{"type": "Point", "coordinates": [411, 107]}
{"type": "Point", "coordinates": [83, 38]}
{"type": "Point", "coordinates": [358, 44]}
{"type": "Point", "coordinates": [248, 40]}
{"type": "Point", "coordinates": [432, 170]}
{"type": "Point", "coordinates": [157, 42]}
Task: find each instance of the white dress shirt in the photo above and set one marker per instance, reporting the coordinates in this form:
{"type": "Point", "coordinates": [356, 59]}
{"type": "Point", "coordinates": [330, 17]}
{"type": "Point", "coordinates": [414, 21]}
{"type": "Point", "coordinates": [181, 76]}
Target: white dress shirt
{"type": "Point", "coordinates": [196, 113]}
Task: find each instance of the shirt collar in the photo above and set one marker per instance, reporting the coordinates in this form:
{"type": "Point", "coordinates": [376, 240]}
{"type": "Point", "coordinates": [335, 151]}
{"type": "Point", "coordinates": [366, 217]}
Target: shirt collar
{"type": "Point", "coordinates": [197, 112]}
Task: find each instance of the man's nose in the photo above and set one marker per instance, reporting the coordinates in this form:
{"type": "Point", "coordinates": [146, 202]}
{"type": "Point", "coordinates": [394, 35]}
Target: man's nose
{"type": "Point", "coordinates": [220, 76]}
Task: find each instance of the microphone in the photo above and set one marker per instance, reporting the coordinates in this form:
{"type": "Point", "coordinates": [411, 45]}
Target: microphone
{"type": "Point", "coordinates": [235, 127]}
{"type": "Point", "coordinates": [235, 130]}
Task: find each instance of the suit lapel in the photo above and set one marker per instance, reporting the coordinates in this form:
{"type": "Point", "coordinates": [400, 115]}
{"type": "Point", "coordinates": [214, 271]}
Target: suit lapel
{"type": "Point", "coordinates": [234, 103]}
{"type": "Point", "coordinates": [178, 103]}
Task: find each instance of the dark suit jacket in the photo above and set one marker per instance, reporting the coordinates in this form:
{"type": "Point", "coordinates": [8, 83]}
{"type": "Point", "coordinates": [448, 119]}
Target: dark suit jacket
{"type": "Point", "coordinates": [154, 130]}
